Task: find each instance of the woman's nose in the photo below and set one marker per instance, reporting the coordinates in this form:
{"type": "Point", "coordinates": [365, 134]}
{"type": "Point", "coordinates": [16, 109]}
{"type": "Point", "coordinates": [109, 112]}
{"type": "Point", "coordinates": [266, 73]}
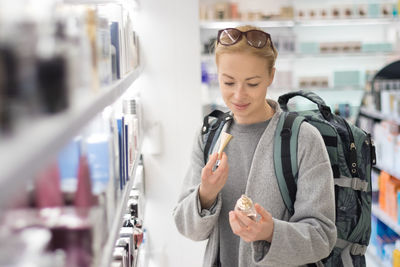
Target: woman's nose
{"type": "Point", "coordinates": [239, 92]}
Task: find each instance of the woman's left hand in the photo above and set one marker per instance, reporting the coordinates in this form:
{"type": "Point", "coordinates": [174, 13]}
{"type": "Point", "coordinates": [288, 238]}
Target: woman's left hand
{"type": "Point", "coordinates": [250, 230]}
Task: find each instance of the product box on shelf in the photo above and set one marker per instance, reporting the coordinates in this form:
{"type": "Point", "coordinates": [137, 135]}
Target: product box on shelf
{"type": "Point", "coordinates": [388, 194]}
{"type": "Point", "coordinates": [392, 187]}
{"type": "Point", "coordinates": [384, 179]}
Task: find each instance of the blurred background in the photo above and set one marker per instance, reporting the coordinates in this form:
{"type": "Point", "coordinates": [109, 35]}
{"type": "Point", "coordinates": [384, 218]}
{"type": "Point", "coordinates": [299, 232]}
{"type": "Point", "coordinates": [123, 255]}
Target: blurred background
{"type": "Point", "coordinates": [100, 102]}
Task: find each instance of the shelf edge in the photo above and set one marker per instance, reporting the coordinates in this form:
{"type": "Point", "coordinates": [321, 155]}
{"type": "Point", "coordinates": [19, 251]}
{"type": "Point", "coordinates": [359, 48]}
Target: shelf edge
{"type": "Point", "coordinates": [382, 216]}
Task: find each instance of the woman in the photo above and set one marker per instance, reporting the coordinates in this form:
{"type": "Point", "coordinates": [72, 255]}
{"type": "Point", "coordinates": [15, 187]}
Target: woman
{"type": "Point", "coordinates": [245, 58]}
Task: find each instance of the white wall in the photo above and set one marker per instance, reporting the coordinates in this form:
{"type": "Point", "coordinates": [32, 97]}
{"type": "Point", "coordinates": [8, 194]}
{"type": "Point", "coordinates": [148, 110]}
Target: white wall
{"type": "Point", "coordinates": [170, 92]}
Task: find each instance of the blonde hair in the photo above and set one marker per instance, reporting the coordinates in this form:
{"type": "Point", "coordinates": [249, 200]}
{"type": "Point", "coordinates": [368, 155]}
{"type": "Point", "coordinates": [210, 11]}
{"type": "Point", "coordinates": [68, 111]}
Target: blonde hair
{"type": "Point", "coordinates": [268, 52]}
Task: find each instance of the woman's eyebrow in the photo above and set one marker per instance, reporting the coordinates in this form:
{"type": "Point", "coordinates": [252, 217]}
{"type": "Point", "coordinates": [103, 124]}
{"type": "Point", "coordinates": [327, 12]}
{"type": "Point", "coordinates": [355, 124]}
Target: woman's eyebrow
{"type": "Point", "coordinates": [230, 77]}
{"type": "Point", "coordinates": [253, 77]}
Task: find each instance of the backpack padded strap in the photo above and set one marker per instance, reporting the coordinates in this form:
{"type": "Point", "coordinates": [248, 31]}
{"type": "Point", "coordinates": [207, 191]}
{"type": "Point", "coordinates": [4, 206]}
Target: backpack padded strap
{"type": "Point", "coordinates": [285, 156]}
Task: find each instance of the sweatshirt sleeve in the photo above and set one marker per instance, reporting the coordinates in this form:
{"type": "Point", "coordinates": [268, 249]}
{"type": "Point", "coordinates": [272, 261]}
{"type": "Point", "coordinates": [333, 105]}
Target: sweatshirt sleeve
{"type": "Point", "coordinates": [310, 234]}
{"type": "Point", "coordinates": [190, 219]}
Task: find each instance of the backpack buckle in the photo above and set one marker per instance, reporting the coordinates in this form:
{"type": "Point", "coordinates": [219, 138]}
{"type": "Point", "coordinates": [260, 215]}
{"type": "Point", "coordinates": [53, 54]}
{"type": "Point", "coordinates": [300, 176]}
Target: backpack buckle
{"type": "Point", "coordinates": [358, 249]}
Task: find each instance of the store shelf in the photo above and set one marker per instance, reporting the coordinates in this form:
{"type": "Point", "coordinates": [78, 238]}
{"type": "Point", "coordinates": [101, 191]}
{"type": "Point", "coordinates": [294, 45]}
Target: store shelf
{"type": "Point", "coordinates": [374, 114]}
{"type": "Point", "coordinates": [335, 55]}
{"type": "Point", "coordinates": [298, 23]}
{"type": "Point", "coordinates": [107, 252]}
{"type": "Point", "coordinates": [346, 22]}
{"type": "Point", "coordinates": [386, 219]}
{"type": "Point", "coordinates": [34, 144]}
{"type": "Point", "coordinates": [296, 56]}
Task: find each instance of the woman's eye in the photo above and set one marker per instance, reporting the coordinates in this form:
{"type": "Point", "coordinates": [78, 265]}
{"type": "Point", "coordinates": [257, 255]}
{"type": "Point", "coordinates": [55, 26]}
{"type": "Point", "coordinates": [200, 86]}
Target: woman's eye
{"type": "Point", "coordinates": [229, 84]}
{"type": "Point", "coordinates": [253, 84]}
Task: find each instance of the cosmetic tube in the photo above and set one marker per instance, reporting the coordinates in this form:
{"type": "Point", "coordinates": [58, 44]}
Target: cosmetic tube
{"type": "Point", "coordinates": [225, 138]}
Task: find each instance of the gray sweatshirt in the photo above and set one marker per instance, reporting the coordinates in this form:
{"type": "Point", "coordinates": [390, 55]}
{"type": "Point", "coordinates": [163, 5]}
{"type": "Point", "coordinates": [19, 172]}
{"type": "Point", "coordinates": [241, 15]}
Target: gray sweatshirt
{"type": "Point", "coordinates": [307, 236]}
{"type": "Point", "coordinates": [241, 147]}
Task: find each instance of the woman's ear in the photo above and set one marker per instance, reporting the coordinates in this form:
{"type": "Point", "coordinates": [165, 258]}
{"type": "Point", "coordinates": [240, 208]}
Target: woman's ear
{"type": "Point", "coordinates": [271, 76]}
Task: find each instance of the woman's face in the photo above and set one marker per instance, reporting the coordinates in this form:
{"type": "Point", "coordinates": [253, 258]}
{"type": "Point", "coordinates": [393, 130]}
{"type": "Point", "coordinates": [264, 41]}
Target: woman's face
{"type": "Point", "coordinates": [243, 80]}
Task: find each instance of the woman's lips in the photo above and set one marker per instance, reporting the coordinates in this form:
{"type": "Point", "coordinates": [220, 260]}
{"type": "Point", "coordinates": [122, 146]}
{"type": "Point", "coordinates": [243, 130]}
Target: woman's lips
{"type": "Point", "coordinates": [240, 106]}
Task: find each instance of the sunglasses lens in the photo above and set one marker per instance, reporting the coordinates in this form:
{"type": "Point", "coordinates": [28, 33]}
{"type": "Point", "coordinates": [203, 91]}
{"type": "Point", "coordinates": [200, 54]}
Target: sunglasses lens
{"type": "Point", "coordinates": [257, 38]}
{"type": "Point", "coordinates": [229, 36]}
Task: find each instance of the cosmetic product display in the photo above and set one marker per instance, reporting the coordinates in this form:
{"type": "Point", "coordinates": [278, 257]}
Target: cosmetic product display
{"type": "Point", "coordinates": [235, 11]}
{"type": "Point", "coordinates": [313, 82]}
{"type": "Point", "coordinates": [138, 232]}
{"type": "Point", "coordinates": [76, 196]}
{"type": "Point", "coordinates": [59, 63]}
{"type": "Point", "coordinates": [47, 61]}
{"type": "Point", "coordinates": [345, 11]}
{"type": "Point", "coordinates": [245, 205]}
{"type": "Point", "coordinates": [104, 50]}
{"type": "Point", "coordinates": [132, 121]}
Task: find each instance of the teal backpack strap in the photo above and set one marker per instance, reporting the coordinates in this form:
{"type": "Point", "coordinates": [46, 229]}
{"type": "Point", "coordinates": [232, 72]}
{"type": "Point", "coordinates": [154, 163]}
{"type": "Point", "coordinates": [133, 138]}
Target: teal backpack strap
{"type": "Point", "coordinates": [285, 156]}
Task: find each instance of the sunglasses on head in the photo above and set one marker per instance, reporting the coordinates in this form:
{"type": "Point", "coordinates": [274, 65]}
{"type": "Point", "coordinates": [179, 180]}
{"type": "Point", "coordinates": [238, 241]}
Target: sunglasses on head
{"type": "Point", "coordinates": [255, 38]}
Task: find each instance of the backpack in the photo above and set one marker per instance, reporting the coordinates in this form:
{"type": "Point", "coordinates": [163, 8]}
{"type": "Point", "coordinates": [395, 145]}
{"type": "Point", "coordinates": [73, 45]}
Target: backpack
{"type": "Point", "coordinates": [351, 153]}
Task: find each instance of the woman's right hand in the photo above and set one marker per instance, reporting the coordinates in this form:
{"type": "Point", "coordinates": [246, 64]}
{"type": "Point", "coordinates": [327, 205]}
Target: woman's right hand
{"type": "Point", "coordinates": [212, 182]}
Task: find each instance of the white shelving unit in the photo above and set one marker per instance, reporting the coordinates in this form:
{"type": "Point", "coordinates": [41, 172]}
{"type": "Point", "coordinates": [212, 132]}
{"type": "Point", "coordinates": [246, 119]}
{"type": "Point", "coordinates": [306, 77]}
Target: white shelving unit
{"type": "Point", "coordinates": [34, 144]}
